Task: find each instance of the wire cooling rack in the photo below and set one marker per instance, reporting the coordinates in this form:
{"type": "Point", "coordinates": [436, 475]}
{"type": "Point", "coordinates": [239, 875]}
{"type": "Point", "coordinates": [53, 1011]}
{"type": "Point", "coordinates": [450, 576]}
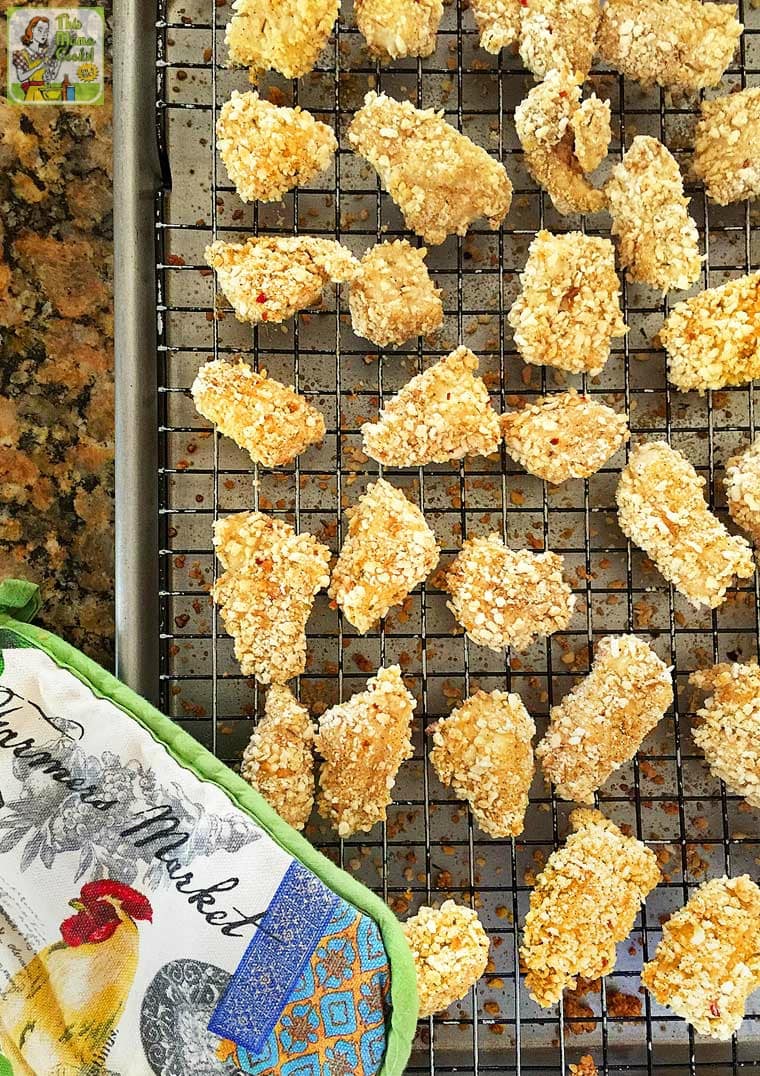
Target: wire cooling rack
{"type": "Point", "coordinates": [429, 849]}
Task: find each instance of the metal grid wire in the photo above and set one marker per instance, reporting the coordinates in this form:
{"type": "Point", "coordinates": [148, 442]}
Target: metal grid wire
{"type": "Point", "coordinates": [430, 849]}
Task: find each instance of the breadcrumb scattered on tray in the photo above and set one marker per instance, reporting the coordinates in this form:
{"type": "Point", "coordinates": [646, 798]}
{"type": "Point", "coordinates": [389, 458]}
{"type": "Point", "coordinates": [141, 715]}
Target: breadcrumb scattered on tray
{"type": "Point", "coordinates": [440, 180]}
{"type": "Point", "coordinates": [726, 156]}
{"type": "Point", "coordinates": [363, 743]}
{"type": "Point", "coordinates": [742, 484]}
{"type": "Point", "coordinates": [266, 592]}
{"type": "Point", "coordinates": [503, 597]}
{"type": "Point", "coordinates": [442, 414]}
{"type": "Point", "coordinates": [569, 308]}
{"type": "Point", "coordinates": [680, 44]}
{"type": "Point", "coordinates": [391, 297]}
{"type": "Point", "coordinates": [662, 509]}
{"type": "Point", "coordinates": [498, 23]}
{"type": "Point", "coordinates": [267, 419]}
{"type": "Point", "coordinates": [280, 35]}
{"type": "Point", "coordinates": [585, 1067]}
{"type": "Point", "coordinates": [558, 33]}
{"type": "Point", "coordinates": [584, 902]}
{"type": "Point", "coordinates": [388, 550]}
{"type": "Point", "coordinates": [601, 723]}
{"type": "Point", "coordinates": [270, 278]}
{"type": "Point", "coordinates": [728, 726]}
{"type": "Point", "coordinates": [483, 750]}
{"type": "Point", "coordinates": [713, 338]}
{"type": "Point", "coordinates": [396, 28]}
{"type": "Point", "coordinates": [708, 962]}
{"type": "Point", "coordinates": [279, 759]}
{"type": "Point", "coordinates": [563, 436]}
{"type": "Point", "coordinates": [450, 951]}
{"type": "Point", "coordinates": [658, 241]}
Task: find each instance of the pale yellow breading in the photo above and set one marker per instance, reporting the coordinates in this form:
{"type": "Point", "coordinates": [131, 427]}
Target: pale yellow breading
{"type": "Point", "coordinates": [661, 507]}
{"type": "Point", "coordinates": [270, 278]}
{"type": "Point", "coordinates": [569, 308]}
{"type": "Point", "coordinates": [388, 550]}
{"type": "Point", "coordinates": [563, 436]}
{"type": "Point", "coordinates": [601, 723]}
{"type": "Point", "coordinates": [442, 414]}
{"type": "Point", "coordinates": [679, 44]}
{"type": "Point", "coordinates": [498, 23]}
{"type": "Point", "coordinates": [266, 593]}
{"type": "Point", "coordinates": [267, 419]}
{"type": "Point", "coordinates": [450, 951]}
{"type": "Point", "coordinates": [268, 149]}
{"type": "Point", "coordinates": [584, 902]}
{"type": "Point", "coordinates": [279, 759]}
{"type": "Point", "coordinates": [440, 180]}
{"type": "Point", "coordinates": [363, 743]}
{"type": "Point", "coordinates": [658, 242]}
{"type": "Point", "coordinates": [281, 35]}
{"type": "Point", "coordinates": [558, 33]}
{"type": "Point", "coordinates": [742, 484]}
{"type": "Point", "coordinates": [396, 28]}
{"type": "Point", "coordinates": [592, 132]}
{"type": "Point", "coordinates": [391, 297]}
{"type": "Point", "coordinates": [713, 338]}
{"type": "Point", "coordinates": [483, 750]}
{"type": "Point", "coordinates": [503, 597]}
{"type": "Point", "coordinates": [728, 725]}
{"type": "Point", "coordinates": [726, 154]}
{"type": "Point", "coordinates": [708, 962]}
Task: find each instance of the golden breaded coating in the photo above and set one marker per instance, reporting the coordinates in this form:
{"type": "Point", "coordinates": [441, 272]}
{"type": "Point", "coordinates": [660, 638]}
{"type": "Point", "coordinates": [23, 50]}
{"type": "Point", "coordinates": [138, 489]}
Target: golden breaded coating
{"type": "Point", "coordinates": [713, 338]}
{"type": "Point", "coordinates": [563, 436]}
{"type": "Point", "coordinates": [658, 241]}
{"type": "Point", "coordinates": [569, 308]}
{"type": "Point", "coordinates": [391, 297]}
{"type": "Point", "coordinates": [728, 726]}
{"type": "Point", "coordinates": [680, 44]}
{"type": "Point", "coordinates": [271, 277]}
{"type": "Point", "coordinates": [483, 750]}
{"type": "Point", "coordinates": [267, 419]}
{"type": "Point", "coordinates": [503, 597]}
{"type": "Point", "coordinates": [592, 132]}
{"type": "Point", "coordinates": [267, 149]}
{"type": "Point", "coordinates": [585, 1067]}
{"type": "Point", "coordinates": [662, 509]}
{"type": "Point", "coordinates": [584, 902]}
{"type": "Point", "coordinates": [558, 33]}
{"type": "Point", "coordinates": [280, 35]}
{"type": "Point", "coordinates": [442, 414]}
{"type": "Point", "coordinates": [266, 593]}
{"type": "Point", "coordinates": [363, 743]}
{"type": "Point", "coordinates": [396, 28]}
{"type": "Point", "coordinates": [450, 951]}
{"type": "Point", "coordinates": [726, 156]}
{"type": "Point", "coordinates": [601, 723]}
{"type": "Point", "coordinates": [388, 550]}
{"type": "Point", "coordinates": [440, 180]}
{"type": "Point", "coordinates": [742, 484]}
{"type": "Point", "coordinates": [498, 23]}
{"type": "Point", "coordinates": [708, 962]}
{"type": "Point", "coordinates": [279, 759]}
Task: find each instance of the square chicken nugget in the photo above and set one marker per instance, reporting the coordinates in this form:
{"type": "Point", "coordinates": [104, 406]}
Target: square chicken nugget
{"type": "Point", "coordinates": [727, 146]}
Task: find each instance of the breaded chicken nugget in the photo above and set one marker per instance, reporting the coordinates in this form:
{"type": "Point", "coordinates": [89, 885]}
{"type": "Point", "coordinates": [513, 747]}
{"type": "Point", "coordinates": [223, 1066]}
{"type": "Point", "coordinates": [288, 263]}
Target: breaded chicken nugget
{"type": "Point", "coordinates": [483, 750]}
{"type": "Point", "coordinates": [563, 436]}
{"type": "Point", "coordinates": [391, 297]}
{"type": "Point", "coordinates": [503, 597]}
{"type": "Point", "coordinates": [498, 23]}
{"type": "Point", "coordinates": [742, 484]}
{"type": "Point", "coordinates": [363, 743]}
{"type": "Point", "coordinates": [708, 962]}
{"type": "Point", "coordinates": [569, 308]}
{"type": "Point", "coordinates": [396, 28]}
{"type": "Point", "coordinates": [450, 951]}
{"type": "Point", "coordinates": [279, 759]}
{"type": "Point", "coordinates": [726, 156]}
{"type": "Point", "coordinates": [558, 33]}
{"type": "Point", "coordinates": [388, 550]}
{"type": "Point", "coordinates": [442, 414]}
{"type": "Point", "coordinates": [713, 338]}
{"type": "Point", "coordinates": [282, 35]}
{"type": "Point", "coordinates": [602, 722]}
{"type": "Point", "coordinates": [584, 902]}
{"type": "Point", "coordinates": [661, 507]}
{"type": "Point", "coordinates": [267, 419]}
{"type": "Point", "coordinates": [728, 729]}
{"type": "Point", "coordinates": [658, 241]}
{"type": "Point", "coordinates": [440, 180]}
{"type": "Point", "coordinates": [267, 591]}
{"type": "Point", "coordinates": [592, 132]}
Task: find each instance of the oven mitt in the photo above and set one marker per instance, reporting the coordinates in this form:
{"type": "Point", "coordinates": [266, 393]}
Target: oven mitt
{"type": "Point", "coordinates": [156, 915]}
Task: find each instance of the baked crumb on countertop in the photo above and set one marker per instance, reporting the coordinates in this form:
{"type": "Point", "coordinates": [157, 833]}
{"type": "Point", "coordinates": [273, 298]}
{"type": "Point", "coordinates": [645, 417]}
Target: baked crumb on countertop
{"type": "Point", "coordinates": [742, 484]}
{"type": "Point", "coordinates": [726, 154]}
{"type": "Point", "coordinates": [727, 728]}
{"type": "Point", "coordinates": [391, 297]}
{"type": "Point", "coordinates": [450, 951]}
{"type": "Point", "coordinates": [396, 28]}
{"type": "Point", "coordinates": [280, 35]}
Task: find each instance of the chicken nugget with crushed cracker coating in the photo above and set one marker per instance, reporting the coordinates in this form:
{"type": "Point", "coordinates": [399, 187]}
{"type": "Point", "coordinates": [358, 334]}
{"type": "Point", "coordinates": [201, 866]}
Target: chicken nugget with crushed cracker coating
{"type": "Point", "coordinates": [396, 28]}
{"type": "Point", "coordinates": [391, 297]}
{"type": "Point", "coordinates": [558, 33]}
{"type": "Point", "coordinates": [280, 35]}
{"type": "Point", "coordinates": [592, 132]}
{"type": "Point", "coordinates": [498, 23]}
{"type": "Point", "coordinates": [450, 951]}
{"type": "Point", "coordinates": [727, 728]}
{"type": "Point", "coordinates": [742, 484]}
{"type": "Point", "coordinates": [726, 155]}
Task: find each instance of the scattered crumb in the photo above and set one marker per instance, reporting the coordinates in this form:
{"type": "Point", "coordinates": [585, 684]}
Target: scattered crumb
{"type": "Point", "coordinates": [450, 951]}
{"type": "Point", "coordinates": [392, 297]}
{"type": "Point", "coordinates": [585, 1067]}
{"type": "Point", "coordinates": [728, 726]}
{"type": "Point", "coordinates": [282, 35]}
{"type": "Point", "coordinates": [726, 154]}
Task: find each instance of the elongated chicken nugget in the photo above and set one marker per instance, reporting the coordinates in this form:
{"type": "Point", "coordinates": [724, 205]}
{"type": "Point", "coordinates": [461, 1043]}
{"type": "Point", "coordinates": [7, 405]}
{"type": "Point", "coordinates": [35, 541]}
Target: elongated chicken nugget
{"type": "Point", "coordinates": [726, 156]}
{"type": "Point", "coordinates": [708, 962]}
{"type": "Point", "coordinates": [592, 132]}
{"type": "Point", "coordinates": [742, 484]}
{"type": "Point", "coordinates": [267, 591]}
{"type": "Point", "coordinates": [363, 742]}
{"type": "Point", "coordinates": [391, 297]}
{"type": "Point", "coordinates": [601, 723]}
{"type": "Point", "coordinates": [440, 180]}
{"type": "Point", "coordinates": [584, 902]}
{"type": "Point", "coordinates": [396, 28]}
{"type": "Point", "coordinates": [728, 729]}
{"type": "Point", "coordinates": [661, 507]}
{"type": "Point", "coordinates": [450, 951]}
{"type": "Point", "coordinates": [283, 35]}
{"type": "Point", "coordinates": [558, 33]}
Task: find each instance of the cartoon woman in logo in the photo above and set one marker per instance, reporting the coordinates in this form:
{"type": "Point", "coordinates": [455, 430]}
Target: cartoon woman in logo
{"type": "Point", "coordinates": [36, 63]}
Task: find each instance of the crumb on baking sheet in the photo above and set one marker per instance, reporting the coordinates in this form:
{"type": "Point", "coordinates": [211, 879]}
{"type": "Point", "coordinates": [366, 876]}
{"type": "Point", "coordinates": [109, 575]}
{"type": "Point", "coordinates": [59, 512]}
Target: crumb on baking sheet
{"type": "Point", "coordinates": [392, 297]}
{"type": "Point", "coordinates": [450, 951]}
{"type": "Point", "coordinates": [727, 726]}
{"type": "Point", "coordinates": [280, 35]}
{"type": "Point", "coordinates": [726, 156]}
{"type": "Point", "coordinates": [396, 28]}
{"type": "Point", "coordinates": [585, 1067]}
{"type": "Point", "coordinates": [742, 484]}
